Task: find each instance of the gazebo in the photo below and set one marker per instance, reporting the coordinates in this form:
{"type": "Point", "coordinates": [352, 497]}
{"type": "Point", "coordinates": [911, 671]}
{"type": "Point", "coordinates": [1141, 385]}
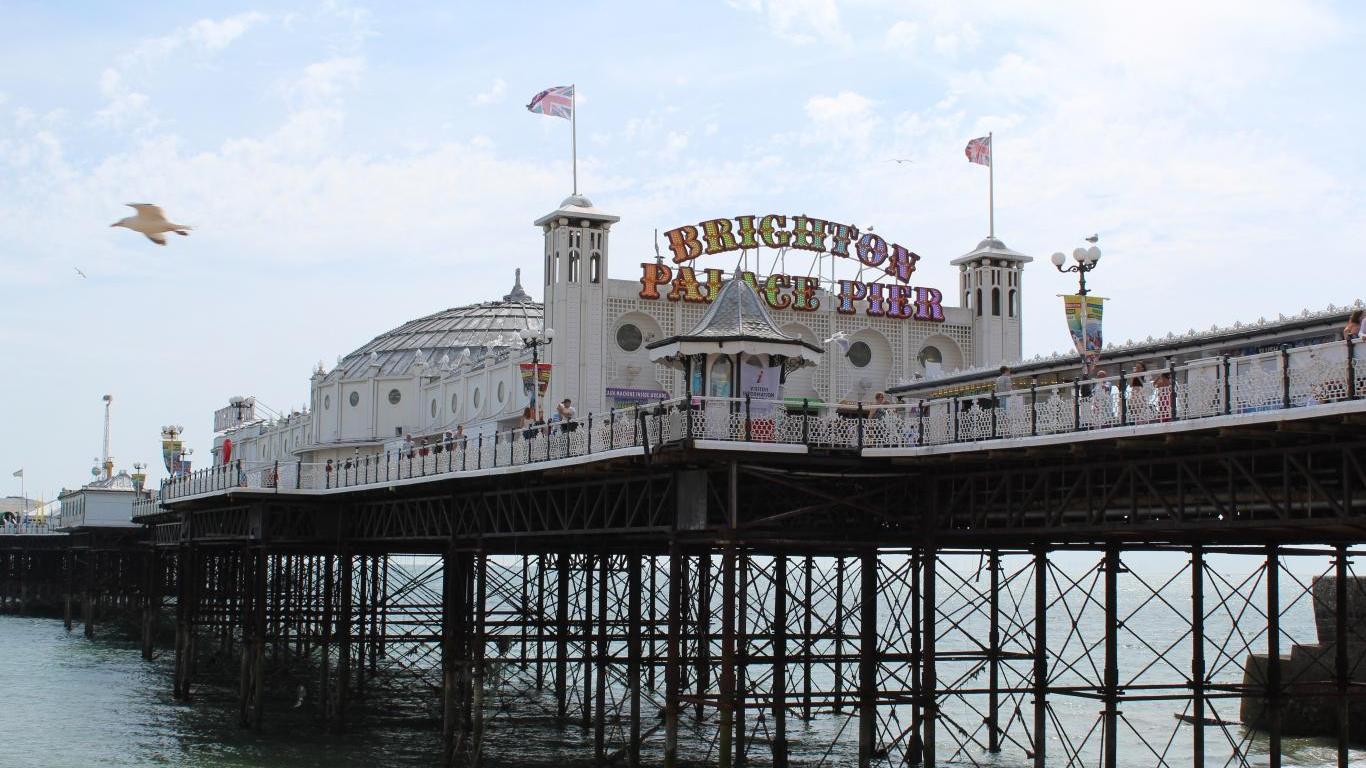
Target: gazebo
{"type": "Point", "coordinates": [735, 353]}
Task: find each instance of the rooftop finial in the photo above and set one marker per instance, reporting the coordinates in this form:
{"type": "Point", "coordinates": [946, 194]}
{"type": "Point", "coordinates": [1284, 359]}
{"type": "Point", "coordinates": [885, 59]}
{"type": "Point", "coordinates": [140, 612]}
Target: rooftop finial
{"type": "Point", "coordinates": [517, 294]}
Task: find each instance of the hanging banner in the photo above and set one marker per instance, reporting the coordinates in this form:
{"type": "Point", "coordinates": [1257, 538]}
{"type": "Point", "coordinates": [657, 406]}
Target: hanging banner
{"type": "Point", "coordinates": [170, 454]}
{"type": "Point", "coordinates": [1084, 315]}
{"type": "Point", "coordinates": [542, 379]}
{"type": "Point", "coordinates": [759, 383]}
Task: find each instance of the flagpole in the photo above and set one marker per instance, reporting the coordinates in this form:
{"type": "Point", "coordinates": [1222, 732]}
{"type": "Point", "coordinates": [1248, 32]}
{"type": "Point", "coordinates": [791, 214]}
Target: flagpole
{"type": "Point", "coordinates": [991, 187]}
{"type": "Point", "coordinates": [574, 133]}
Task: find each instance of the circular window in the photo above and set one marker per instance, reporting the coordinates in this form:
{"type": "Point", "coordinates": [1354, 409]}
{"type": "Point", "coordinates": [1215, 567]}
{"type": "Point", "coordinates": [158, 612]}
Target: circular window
{"type": "Point", "coordinates": [476, 398]}
{"type": "Point", "coordinates": [502, 392]}
{"type": "Point", "coordinates": [930, 355]}
{"type": "Point", "coordinates": [354, 399]}
{"type": "Point", "coordinates": [860, 354]}
{"type": "Point", "coordinates": [433, 407]}
{"type": "Point", "coordinates": [395, 396]}
{"type": "Point", "coordinates": [628, 337]}
{"type": "Point", "coordinates": [455, 404]}
{"type": "Point", "coordinates": [327, 402]}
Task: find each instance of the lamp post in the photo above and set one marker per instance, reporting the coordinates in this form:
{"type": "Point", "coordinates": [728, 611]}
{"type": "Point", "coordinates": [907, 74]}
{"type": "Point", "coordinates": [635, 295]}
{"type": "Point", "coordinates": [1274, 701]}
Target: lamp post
{"type": "Point", "coordinates": [1086, 258]}
{"type": "Point", "coordinates": [534, 339]}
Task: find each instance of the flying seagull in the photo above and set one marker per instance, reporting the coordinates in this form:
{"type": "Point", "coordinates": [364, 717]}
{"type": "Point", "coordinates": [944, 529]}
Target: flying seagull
{"type": "Point", "coordinates": [900, 160]}
{"type": "Point", "coordinates": [151, 221]}
{"type": "Point", "coordinates": [1092, 238]}
{"type": "Point", "coordinates": [78, 271]}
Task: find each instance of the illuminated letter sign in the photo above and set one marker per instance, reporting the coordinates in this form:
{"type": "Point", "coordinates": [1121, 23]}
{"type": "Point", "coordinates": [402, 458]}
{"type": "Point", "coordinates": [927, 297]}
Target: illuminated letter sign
{"type": "Point", "coordinates": [898, 300]}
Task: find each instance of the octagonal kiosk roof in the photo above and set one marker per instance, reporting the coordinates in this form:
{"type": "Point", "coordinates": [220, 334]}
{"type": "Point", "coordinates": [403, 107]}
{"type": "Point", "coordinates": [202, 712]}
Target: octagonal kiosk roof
{"type": "Point", "coordinates": [737, 321]}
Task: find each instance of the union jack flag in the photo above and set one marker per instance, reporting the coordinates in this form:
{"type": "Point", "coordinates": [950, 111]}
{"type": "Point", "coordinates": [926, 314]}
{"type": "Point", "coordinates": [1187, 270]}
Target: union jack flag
{"type": "Point", "coordinates": [556, 102]}
{"type": "Point", "coordinates": [979, 151]}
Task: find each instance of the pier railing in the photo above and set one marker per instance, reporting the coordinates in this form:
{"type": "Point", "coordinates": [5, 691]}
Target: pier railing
{"type": "Point", "coordinates": [1282, 379]}
{"type": "Point", "coordinates": [29, 528]}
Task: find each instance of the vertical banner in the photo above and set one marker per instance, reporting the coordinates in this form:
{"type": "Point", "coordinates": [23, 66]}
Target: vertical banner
{"type": "Point", "coordinates": [1084, 314]}
{"type": "Point", "coordinates": [542, 377]}
{"type": "Point", "coordinates": [170, 454]}
{"type": "Point", "coordinates": [760, 384]}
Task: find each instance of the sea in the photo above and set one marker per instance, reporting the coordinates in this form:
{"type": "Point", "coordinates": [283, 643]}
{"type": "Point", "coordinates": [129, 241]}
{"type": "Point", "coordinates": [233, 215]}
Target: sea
{"type": "Point", "coordinates": [69, 701]}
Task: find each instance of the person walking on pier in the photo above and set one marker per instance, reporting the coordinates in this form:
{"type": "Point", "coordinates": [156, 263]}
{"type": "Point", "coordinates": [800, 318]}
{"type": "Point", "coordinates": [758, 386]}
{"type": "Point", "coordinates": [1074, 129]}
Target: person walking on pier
{"type": "Point", "coordinates": [1353, 329]}
{"type": "Point", "coordinates": [566, 412]}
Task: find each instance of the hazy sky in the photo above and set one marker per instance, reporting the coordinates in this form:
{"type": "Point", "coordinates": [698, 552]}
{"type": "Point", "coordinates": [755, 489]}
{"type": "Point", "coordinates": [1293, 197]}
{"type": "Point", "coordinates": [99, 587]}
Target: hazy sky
{"type": "Point", "coordinates": [348, 167]}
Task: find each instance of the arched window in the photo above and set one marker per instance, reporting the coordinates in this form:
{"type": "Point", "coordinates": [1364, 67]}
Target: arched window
{"type": "Point", "coordinates": [594, 268]}
{"type": "Point", "coordinates": [719, 380]}
{"type": "Point", "coordinates": [549, 266]}
{"type": "Point", "coordinates": [979, 302]}
{"type": "Point", "coordinates": [1011, 304]}
{"type": "Point", "coordinates": [573, 266]}
{"type": "Point", "coordinates": [995, 302]}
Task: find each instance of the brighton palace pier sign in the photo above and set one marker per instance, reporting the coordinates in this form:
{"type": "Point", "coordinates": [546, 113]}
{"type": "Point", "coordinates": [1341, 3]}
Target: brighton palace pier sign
{"type": "Point", "coordinates": [896, 299]}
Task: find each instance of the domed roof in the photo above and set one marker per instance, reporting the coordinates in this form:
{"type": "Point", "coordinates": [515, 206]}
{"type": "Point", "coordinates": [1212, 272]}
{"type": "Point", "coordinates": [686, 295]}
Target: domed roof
{"type": "Point", "coordinates": [448, 332]}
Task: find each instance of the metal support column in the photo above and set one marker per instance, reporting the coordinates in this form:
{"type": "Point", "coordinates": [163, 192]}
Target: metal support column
{"type": "Point", "coordinates": [1273, 653]}
{"type": "Point", "coordinates": [930, 681]}
{"type": "Point", "coordinates": [780, 661]}
{"type": "Point", "coordinates": [1341, 670]}
{"type": "Point", "coordinates": [672, 683]}
{"type": "Point", "coordinates": [868, 663]}
{"type": "Point", "coordinates": [1198, 656]}
{"type": "Point", "coordinates": [1040, 681]}
{"type": "Point", "coordinates": [993, 722]}
{"type": "Point", "coordinates": [1110, 690]}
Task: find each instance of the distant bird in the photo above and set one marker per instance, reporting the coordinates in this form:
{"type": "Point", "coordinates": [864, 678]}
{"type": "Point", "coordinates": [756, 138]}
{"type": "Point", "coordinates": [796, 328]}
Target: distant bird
{"type": "Point", "coordinates": [900, 160]}
{"type": "Point", "coordinates": [151, 221]}
{"type": "Point", "coordinates": [1092, 238]}
{"type": "Point", "coordinates": [78, 271]}
{"type": "Point", "coordinates": [839, 339]}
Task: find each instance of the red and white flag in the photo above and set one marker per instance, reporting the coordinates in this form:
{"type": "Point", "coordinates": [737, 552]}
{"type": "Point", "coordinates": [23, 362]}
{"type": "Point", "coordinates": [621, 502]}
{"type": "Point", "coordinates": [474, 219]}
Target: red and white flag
{"type": "Point", "coordinates": [979, 151]}
{"type": "Point", "coordinates": [556, 102]}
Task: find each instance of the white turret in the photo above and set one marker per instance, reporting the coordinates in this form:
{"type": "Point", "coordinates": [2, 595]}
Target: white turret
{"type": "Point", "coordinates": [990, 285]}
{"type": "Point", "coordinates": [576, 250]}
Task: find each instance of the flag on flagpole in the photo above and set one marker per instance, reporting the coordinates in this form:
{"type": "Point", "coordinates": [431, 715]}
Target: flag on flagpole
{"type": "Point", "coordinates": [979, 151]}
{"type": "Point", "coordinates": [556, 102]}
{"type": "Point", "coordinates": [18, 473]}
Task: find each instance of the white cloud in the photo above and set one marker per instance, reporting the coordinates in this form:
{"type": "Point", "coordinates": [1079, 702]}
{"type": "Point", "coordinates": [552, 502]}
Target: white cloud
{"type": "Point", "coordinates": [493, 95]}
{"type": "Point", "coordinates": [902, 36]}
{"type": "Point", "coordinates": [324, 80]}
{"type": "Point", "coordinates": [841, 119]}
{"type": "Point", "coordinates": [675, 143]}
{"type": "Point", "coordinates": [800, 21]}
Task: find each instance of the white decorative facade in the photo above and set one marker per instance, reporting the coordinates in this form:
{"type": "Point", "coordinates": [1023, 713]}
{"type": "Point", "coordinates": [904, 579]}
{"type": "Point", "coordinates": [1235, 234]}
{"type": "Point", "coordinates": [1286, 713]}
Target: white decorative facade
{"type": "Point", "coordinates": [462, 368]}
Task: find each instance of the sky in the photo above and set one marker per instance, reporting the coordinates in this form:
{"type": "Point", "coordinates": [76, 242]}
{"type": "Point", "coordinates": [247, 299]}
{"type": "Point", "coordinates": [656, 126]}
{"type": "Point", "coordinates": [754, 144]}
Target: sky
{"type": "Point", "coordinates": [350, 166]}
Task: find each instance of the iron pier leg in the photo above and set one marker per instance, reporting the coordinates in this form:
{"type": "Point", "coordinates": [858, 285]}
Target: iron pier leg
{"type": "Point", "coordinates": [808, 565]}
{"type": "Point", "coordinates": [672, 682]}
{"type": "Point", "coordinates": [1111, 685]}
{"type": "Point", "coordinates": [1273, 659]}
{"type": "Point", "coordinates": [994, 654]}
{"type": "Point", "coordinates": [868, 663]}
{"type": "Point", "coordinates": [1198, 655]}
{"type": "Point", "coordinates": [1341, 670]}
{"type": "Point", "coordinates": [1040, 658]}
{"type": "Point", "coordinates": [68, 584]}
{"type": "Point", "coordinates": [741, 656]}
{"type": "Point", "coordinates": [703, 643]}
{"type": "Point", "coordinates": [540, 622]}
{"type": "Point", "coordinates": [780, 661]}
{"type": "Point", "coordinates": [839, 634]}
{"type": "Point", "coordinates": [931, 680]}
{"type": "Point", "coordinates": [600, 650]}
{"type": "Point", "coordinates": [562, 636]}
{"type": "Point", "coordinates": [586, 660]}
{"type": "Point", "coordinates": [88, 605]}
{"type": "Point", "coordinates": [914, 749]}
{"type": "Point", "coordinates": [452, 615]}
{"type": "Point", "coordinates": [476, 678]}
{"type": "Point", "coordinates": [344, 629]}
{"type": "Point", "coordinates": [151, 603]}
{"type": "Point", "coordinates": [325, 647]}
{"type": "Point", "coordinates": [726, 701]}
{"type": "Point", "coordinates": [634, 564]}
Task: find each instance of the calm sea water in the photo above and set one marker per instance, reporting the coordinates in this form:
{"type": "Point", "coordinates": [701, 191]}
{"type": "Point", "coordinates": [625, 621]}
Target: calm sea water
{"type": "Point", "coordinates": [66, 701]}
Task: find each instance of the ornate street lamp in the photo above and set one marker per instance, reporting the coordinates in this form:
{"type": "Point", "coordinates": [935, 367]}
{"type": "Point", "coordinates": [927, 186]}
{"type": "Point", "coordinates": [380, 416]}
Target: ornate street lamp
{"type": "Point", "coordinates": [534, 339]}
{"type": "Point", "coordinates": [1086, 258]}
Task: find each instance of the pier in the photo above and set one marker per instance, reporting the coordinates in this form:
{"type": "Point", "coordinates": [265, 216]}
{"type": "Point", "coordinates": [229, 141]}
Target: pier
{"type": "Point", "coordinates": [682, 583]}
